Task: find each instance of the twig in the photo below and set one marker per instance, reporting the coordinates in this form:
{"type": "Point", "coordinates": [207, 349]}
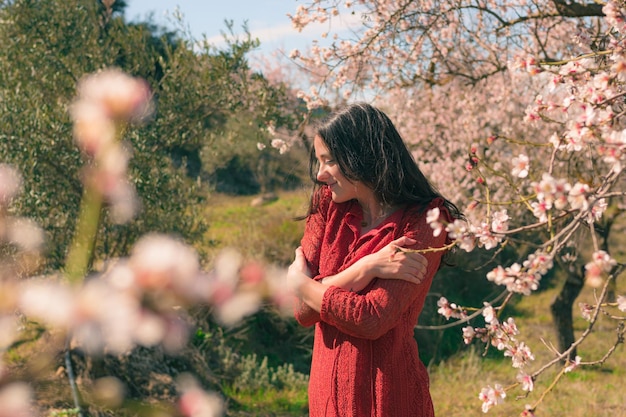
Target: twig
{"type": "Point", "coordinates": [463, 320]}
{"type": "Point", "coordinates": [72, 378]}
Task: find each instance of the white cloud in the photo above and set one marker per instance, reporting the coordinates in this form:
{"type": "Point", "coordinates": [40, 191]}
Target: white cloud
{"type": "Point", "coordinates": [281, 35]}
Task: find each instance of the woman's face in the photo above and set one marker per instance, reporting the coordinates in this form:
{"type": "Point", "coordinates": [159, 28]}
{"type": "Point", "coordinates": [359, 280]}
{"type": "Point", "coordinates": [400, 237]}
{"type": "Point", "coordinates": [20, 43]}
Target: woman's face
{"type": "Point", "coordinates": [329, 173]}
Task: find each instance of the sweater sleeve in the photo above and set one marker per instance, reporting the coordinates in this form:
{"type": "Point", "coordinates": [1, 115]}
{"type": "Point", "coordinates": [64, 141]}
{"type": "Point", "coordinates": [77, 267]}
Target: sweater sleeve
{"type": "Point", "coordinates": [311, 246]}
{"type": "Point", "coordinates": [373, 313]}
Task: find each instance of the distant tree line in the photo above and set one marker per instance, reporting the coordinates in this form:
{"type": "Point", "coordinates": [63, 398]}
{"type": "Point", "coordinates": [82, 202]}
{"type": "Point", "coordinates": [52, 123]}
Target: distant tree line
{"type": "Point", "coordinates": [211, 109]}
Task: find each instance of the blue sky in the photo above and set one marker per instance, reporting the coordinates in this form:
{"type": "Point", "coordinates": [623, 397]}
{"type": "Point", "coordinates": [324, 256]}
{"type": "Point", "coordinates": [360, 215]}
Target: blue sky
{"type": "Point", "coordinates": [267, 19]}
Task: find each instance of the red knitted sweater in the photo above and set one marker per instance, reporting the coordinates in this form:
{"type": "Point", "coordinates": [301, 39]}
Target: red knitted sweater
{"type": "Point", "coordinates": [365, 358]}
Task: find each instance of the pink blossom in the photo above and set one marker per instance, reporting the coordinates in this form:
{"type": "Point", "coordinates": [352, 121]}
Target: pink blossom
{"type": "Point", "coordinates": [236, 307]}
{"type": "Point", "coordinates": [17, 400]}
{"type": "Point", "coordinates": [519, 280]}
{"type": "Point", "coordinates": [486, 238]}
{"type": "Point", "coordinates": [520, 166]}
{"type": "Point", "coordinates": [528, 411]}
{"type": "Point", "coordinates": [615, 15]}
{"type": "Point", "coordinates": [472, 206]}
{"type": "Point", "coordinates": [526, 381]}
{"type": "Point", "coordinates": [555, 141]}
{"type": "Point", "coordinates": [450, 310]}
{"type": "Point", "coordinates": [551, 191]}
{"type": "Point", "coordinates": [572, 364]}
{"type": "Point", "coordinates": [509, 327]}
{"type": "Point", "coordinates": [593, 275]}
{"type": "Point", "coordinates": [540, 210]}
{"type": "Point", "coordinates": [498, 275]}
{"type": "Point", "coordinates": [25, 233]}
{"type": "Point", "coordinates": [194, 402]}
{"type": "Point", "coordinates": [491, 396]}
{"type": "Point", "coordinates": [597, 210]}
{"type": "Point", "coordinates": [468, 334]}
{"type": "Point", "coordinates": [432, 218]}
{"type": "Point", "coordinates": [540, 262]}
{"type": "Point", "coordinates": [578, 196]}
{"type": "Point", "coordinates": [619, 66]}
{"type": "Point", "coordinates": [281, 145]}
{"type": "Point", "coordinates": [601, 263]}
{"type": "Point", "coordinates": [500, 221]}
{"type": "Point", "coordinates": [621, 303]}
{"type": "Point", "coordinates": [93, 129]}
{"type": "Point", "coordinates": [586, 310]}
{"type": "Point", "coordinates": [120, 95]}
{"type": "Point", "coordinates": [458, 230]}
{"type": "Point", "coordinates": [489, 313]}
{"type": "Point", "coordinates": [520, 354]}
{"type": "Point", "coordinates": [47, 300]}
{"type": "Point", "coordinates": [10, 183]}
{"type": "Point", "coordinates": [161, 262]}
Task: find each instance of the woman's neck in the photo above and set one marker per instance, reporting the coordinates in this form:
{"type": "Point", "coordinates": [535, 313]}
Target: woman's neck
{"type": "Point", "coordinates": [374, 214]}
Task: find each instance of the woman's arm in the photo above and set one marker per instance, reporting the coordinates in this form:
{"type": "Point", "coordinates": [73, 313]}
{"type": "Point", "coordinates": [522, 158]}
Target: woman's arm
{"type": "Point", "coordinates": [374, 313]}
{"type": "Point", "coordinates": [387, 263]}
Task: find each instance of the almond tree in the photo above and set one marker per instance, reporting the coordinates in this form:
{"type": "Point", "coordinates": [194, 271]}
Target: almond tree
{"type": "Point", "coordinates": [516, 112]}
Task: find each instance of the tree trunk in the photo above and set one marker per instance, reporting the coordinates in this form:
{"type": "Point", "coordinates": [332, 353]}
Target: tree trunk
{"type": "Point", "coordinates": [562, 315]}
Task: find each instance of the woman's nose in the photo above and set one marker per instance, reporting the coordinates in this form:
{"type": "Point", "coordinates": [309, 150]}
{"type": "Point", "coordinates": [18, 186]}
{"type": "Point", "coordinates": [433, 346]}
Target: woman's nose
{"type": "Point", "coordinates": [321, 173]}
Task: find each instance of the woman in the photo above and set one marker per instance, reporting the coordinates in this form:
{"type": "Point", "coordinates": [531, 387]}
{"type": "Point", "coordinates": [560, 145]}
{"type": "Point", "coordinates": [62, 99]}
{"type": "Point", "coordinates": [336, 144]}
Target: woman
{"type": "Point", "coordinates": [366, 293]}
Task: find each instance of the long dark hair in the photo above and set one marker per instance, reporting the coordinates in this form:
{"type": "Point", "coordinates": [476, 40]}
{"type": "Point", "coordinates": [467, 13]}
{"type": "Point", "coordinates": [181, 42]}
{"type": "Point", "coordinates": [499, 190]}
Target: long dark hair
{"type": "Point", "coordinates": [368, 149]}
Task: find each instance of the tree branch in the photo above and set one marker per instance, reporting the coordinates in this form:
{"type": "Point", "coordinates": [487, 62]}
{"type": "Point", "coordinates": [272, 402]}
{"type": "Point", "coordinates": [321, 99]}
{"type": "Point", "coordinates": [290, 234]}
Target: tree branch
{"type": "Point", "coordinates": [573, 9]}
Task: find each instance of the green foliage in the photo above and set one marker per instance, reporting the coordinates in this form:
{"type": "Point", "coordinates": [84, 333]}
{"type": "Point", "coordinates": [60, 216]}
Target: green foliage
{"type": "Point", "coordinates": [244, 372]}
{"type": "Point", "coordinates": [238, 167]}
{"type": "Point", "coordinates": [48, 45]}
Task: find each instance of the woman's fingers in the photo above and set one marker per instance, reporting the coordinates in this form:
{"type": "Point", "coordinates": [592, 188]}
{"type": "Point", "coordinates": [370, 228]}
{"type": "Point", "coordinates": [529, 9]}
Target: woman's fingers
{"type": "Point", "coordinates": [411, 266]}
{"type": "Point", "coordinates": [403, 241]}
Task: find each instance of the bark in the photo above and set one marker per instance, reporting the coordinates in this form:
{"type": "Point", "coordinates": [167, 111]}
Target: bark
{"type": "Point", "coordinates": [562, 314]}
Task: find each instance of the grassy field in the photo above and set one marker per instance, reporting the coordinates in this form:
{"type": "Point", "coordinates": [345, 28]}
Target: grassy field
{"type": "Point", "coordinates": [269, 231]}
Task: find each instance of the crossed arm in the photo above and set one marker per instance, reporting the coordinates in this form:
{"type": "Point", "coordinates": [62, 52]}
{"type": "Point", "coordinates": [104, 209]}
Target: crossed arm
{"type": "Point", "coordinates": [387, 263]}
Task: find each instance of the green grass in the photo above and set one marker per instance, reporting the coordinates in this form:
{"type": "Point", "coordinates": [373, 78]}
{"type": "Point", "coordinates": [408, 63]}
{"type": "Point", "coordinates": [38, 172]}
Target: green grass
{"type": "Point", "coordinates": [269, 232]}
{"type": "Point", "coordinates": [587, 391]}
{"type": "Point", "coordinates": [272, 402]}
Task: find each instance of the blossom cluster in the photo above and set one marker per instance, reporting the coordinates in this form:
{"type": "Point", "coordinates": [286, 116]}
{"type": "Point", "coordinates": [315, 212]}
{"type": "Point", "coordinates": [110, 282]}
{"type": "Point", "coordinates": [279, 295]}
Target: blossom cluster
{"type": "Point", "coordinates": [601, 264]}
{"type": "Point", "coordinates": [450, 310]}
{"type": "Point", "coordinates": [488, 234]}
{"type": "Point", "coordinates": [140, 300]}
{"type": "Point", "coordinates": [27, 240]}
{"type": "Point", "coordinates": [559, 194]}
{"type": "Point", "coordinates": [503, 336]}
{"type": "Point", "coordinates": [524, 278]}
{"type": "Point", "coordinates": [105, 102]}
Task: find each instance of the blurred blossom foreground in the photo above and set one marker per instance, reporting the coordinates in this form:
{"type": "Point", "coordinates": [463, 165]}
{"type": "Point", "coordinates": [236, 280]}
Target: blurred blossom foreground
{"type": "Point", "coordinates": [138, 300]}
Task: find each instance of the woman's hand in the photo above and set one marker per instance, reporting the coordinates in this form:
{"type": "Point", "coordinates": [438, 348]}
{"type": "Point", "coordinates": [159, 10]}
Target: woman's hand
{"type": "Point", "coordinates": [298, 271]}
{"type": "Point", "coordinates": [310, 291]}
{"type": "Point", "coordinates": [391, 262]}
